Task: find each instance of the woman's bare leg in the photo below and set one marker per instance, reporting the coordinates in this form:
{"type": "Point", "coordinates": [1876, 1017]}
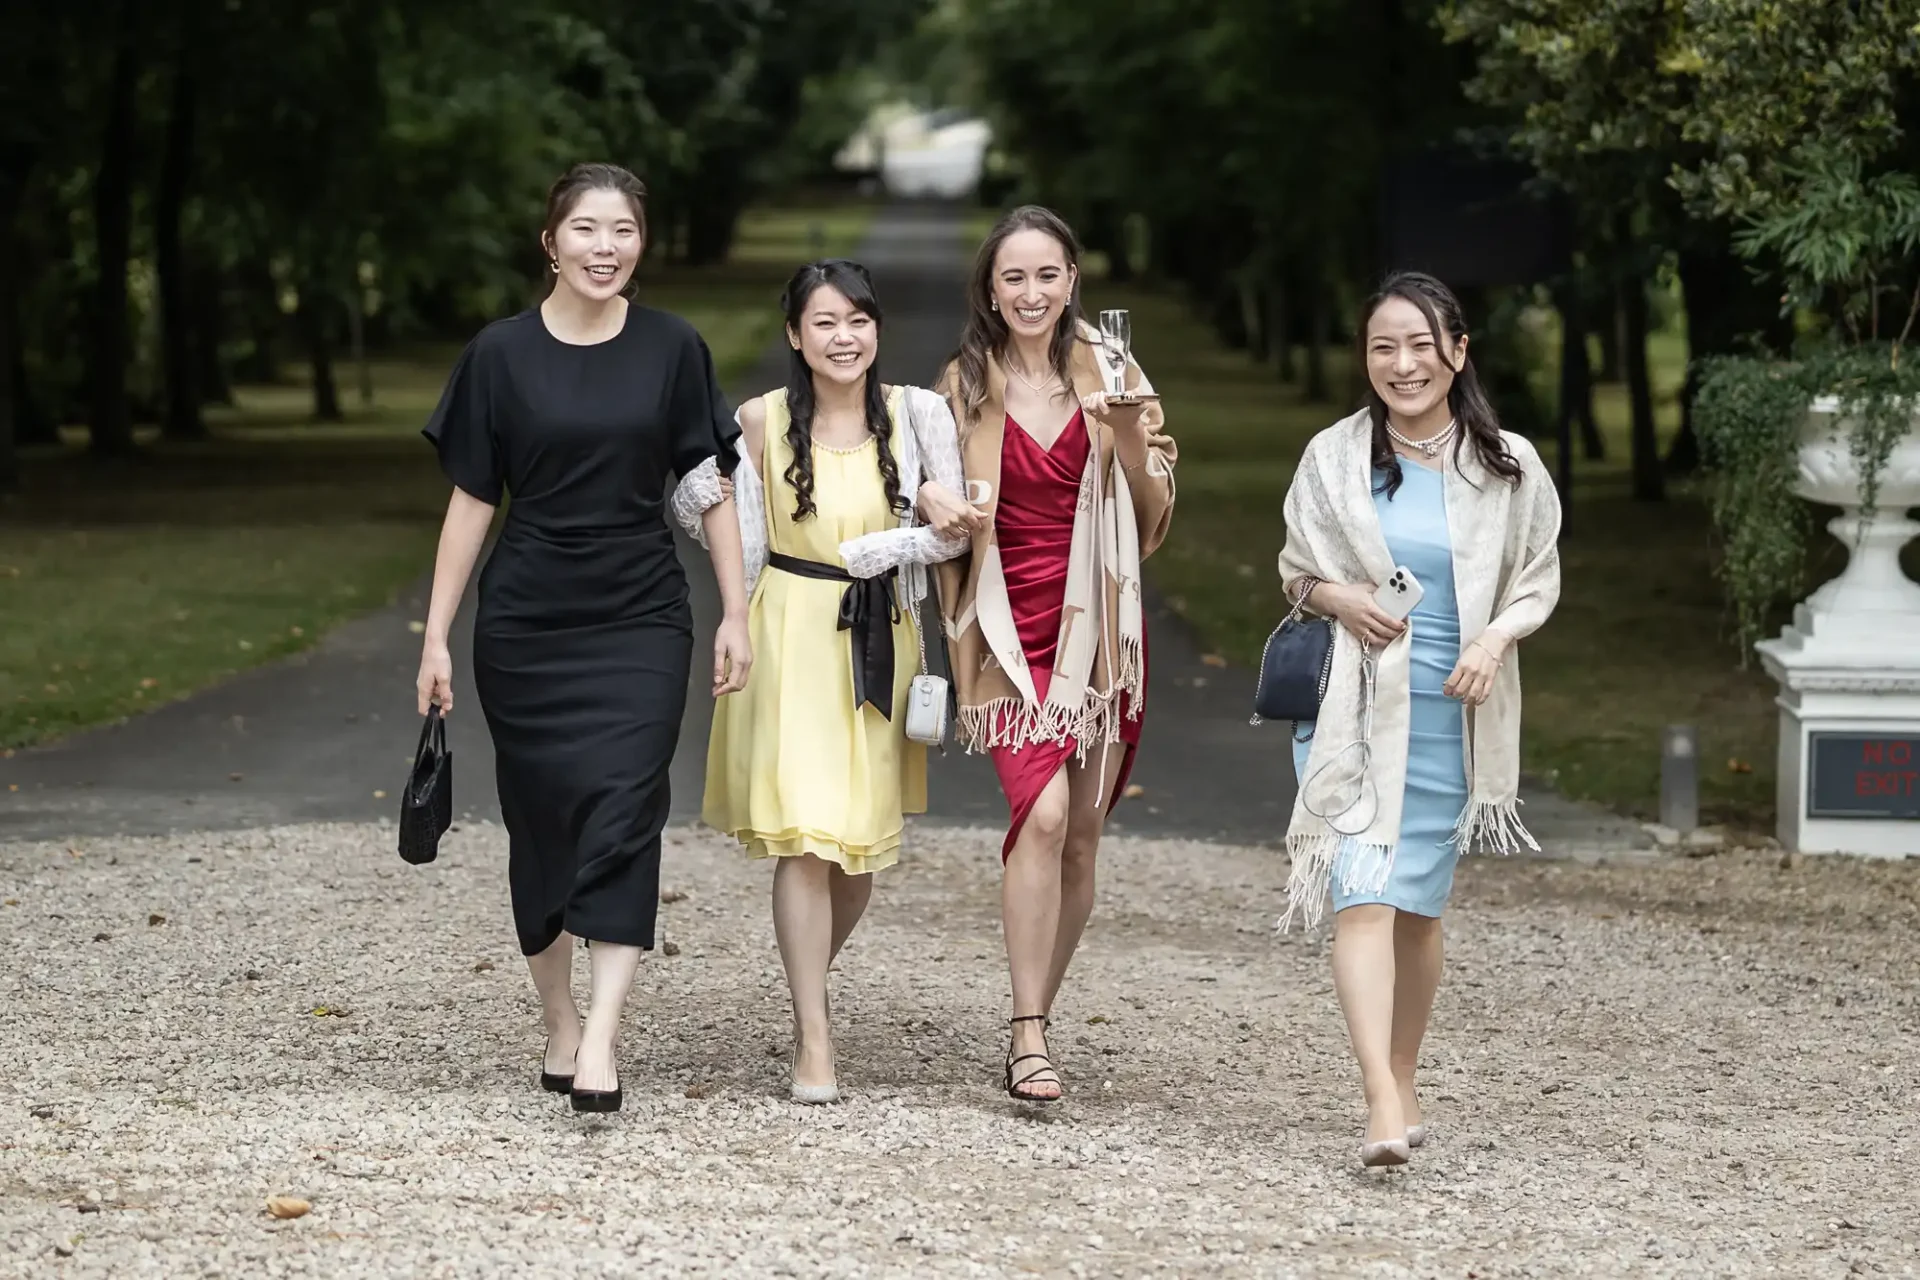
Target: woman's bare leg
{"type": "Point", "coordinates": [803, 924]}
{"type": "Point", "coordinates": [552, 972]}
{"type": "Point", "coordinates": [1030, 914]}
{"type": "Point", "coordinates": [1418, 958]}
{"type": "Point", "coordinates": [1086, 822]}
{"type": "Point", "coordinates": [612, 966]}
{"type": "Point", "coordinates": [850, 897]}
{"type": "Point", "coordinates": [1363, 978]}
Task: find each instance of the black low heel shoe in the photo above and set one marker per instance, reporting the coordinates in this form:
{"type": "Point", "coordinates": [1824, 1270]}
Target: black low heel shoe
{"type": "Point", "coordinates": [599, 1100]}
{"type": "Point", "coordinates": [551, 1082]}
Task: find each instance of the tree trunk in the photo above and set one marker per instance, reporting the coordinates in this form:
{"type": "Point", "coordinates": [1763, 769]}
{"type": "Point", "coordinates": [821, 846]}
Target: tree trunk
{"type": "Point", "coordinates": [357, 337]}
{"type": "Point", "coordinates": [1576, 395]}
{"type": "Point", "coordinates": [1229, 316]}
{"type": "Point", "coordinates": [1254, 309]}
{"type": "Point", "coordinates": [109, 414]}
{"type": "Point", "coordinates": [210, 372]}
{"type": "Point", "coordinates": [1649, 476]}
{"type": "Point", "coordinates": [1320, 334]}
{"type": "Point", "coordinates": [315, 303]}
{"type": "Point", "coordinates": [1609, 334]}
{"type": "Point", "coordinates": [14, 163]}
{"type": "Point", "coordinates": [180, 419]}
{"type": "Point", "coordinates": [1576, 389]}
{"type": "Point", "coordinates": [1280, 325]}
{"type": "Point", "coordinates": [1724, 304]}
{"type": "Point", "coordinates": [1173, 249]}
{"type": "Point", "coordinates": [1107, 234]}
{"type": "Point", "coordinates": [9, 342]}
{"type": "Point", "coordinates": [710, 235]}
{"type": "Point", "coordinates": [718, 193]}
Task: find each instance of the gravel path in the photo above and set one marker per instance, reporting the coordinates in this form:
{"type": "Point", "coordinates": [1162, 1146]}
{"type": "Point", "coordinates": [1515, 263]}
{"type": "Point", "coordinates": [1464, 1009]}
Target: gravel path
{"type": "Point", "coordinates": [1699, 1067]}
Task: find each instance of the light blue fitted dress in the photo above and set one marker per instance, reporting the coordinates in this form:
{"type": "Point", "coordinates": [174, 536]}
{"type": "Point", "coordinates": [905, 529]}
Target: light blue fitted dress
{"type": "Point", "coordinates": [1415, 523]}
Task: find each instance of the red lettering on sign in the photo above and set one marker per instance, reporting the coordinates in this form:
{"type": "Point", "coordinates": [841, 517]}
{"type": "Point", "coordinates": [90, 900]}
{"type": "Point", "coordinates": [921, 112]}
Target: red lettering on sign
{"type": "Point", "coordinates": [1873, 752]}
{"type": "Point", "coordinates": [1866, 783]}
{"type": "Point", "coordinates": [1900, 753]}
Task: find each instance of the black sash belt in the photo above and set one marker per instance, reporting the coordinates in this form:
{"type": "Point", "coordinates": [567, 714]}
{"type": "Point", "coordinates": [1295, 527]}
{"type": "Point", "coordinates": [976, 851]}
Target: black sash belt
{"type": "Point", "coordinates": [868, 608]}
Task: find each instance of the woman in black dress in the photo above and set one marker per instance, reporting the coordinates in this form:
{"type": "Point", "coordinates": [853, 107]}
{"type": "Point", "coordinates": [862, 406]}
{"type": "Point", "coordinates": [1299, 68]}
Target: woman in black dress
{"type": "Point", "coordinates": [580, 408]}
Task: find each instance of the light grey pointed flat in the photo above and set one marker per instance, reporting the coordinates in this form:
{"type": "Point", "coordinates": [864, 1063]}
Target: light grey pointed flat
{"type": "Point", "coordinates": [1384, 1155]}
{"type": "Point", "coordinates": [1416, 1136]}
{"type": "Point", "coordinates": [811, 1095]}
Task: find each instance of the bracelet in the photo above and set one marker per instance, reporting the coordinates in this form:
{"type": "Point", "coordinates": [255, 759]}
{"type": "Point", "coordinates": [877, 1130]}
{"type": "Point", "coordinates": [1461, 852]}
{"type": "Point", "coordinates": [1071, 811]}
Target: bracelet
{"type": "Point", "coordinates": [1133, 466]}
{"type": "Point", "coordinates": [1498, 661]}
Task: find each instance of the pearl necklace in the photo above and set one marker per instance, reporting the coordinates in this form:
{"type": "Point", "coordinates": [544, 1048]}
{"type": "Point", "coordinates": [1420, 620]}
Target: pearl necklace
{"type": "Point", "coordinates": [1431, 446]}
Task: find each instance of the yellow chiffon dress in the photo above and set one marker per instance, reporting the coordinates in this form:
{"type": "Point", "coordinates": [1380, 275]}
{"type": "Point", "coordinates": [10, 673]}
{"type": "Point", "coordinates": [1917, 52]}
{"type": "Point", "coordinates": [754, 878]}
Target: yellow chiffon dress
{"type": "Point", "coordinates": [792, 766]}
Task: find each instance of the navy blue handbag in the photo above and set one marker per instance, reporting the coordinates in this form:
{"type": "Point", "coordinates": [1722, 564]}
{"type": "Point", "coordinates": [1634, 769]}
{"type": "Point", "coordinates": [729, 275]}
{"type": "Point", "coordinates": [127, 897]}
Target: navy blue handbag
{"type": "Point", "coordinates": [1295, 667]}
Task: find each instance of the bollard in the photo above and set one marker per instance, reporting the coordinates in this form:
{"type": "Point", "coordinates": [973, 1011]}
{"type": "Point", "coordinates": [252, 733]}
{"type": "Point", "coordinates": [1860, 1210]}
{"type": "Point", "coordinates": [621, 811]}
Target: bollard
{"type": "Point", "coordinates": [1680, 778]}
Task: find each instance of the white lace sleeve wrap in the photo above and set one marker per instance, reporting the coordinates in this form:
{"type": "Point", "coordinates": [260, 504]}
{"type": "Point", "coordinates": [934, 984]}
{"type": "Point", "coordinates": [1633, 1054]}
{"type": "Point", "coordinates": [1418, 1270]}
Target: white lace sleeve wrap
{"type": "Point", "coordinates": [930, 450]}
{"type": "Point", "coordinates": [699, 492]}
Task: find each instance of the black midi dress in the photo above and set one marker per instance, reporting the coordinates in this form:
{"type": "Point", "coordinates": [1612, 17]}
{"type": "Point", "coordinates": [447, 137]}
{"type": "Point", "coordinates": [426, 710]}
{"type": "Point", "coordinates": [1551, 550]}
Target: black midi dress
{"type": "Point", "coordinates": [584, 637]}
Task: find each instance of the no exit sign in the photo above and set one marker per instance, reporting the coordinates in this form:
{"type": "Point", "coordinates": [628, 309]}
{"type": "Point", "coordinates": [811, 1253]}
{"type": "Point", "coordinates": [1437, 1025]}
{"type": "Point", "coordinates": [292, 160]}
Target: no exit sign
{"type": "Point", "coordinates": [1863, 775]}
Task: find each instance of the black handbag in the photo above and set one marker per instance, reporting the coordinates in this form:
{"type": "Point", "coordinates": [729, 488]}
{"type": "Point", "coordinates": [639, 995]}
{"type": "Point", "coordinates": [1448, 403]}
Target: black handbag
{"type": "Point", "coordinates": [1294, 668]}
{"type": "Point", "coordinates": [426, 807]}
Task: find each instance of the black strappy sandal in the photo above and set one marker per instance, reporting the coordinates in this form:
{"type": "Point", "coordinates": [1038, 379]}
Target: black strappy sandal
{"type": "Point", "coordinates": [1046, 1069]}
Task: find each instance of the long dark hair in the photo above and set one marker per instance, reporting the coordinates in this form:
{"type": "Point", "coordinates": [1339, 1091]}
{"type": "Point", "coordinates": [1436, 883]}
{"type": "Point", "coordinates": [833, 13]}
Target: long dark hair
{"type": "Point", "coordinates": [566, 191]}
{"type": "Point", "coordinates": [1466, 400]}
{"type": "Point", "coordinates": [985, 335]}
{"type": "Point", "coordinates": [856, 286]}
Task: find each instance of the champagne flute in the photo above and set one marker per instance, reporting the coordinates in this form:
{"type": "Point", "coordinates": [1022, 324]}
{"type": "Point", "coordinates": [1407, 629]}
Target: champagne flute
{"type": "Point", "coordinates": [1116, 333]}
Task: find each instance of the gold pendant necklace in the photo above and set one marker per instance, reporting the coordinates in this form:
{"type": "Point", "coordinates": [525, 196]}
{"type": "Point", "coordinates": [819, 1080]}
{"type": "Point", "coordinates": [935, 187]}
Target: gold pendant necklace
{"type": "Point", "coordinates": [1039, 390]}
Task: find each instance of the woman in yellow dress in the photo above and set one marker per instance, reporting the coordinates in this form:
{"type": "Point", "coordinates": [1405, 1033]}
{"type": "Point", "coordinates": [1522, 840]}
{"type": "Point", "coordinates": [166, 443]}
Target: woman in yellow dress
{"type": "Point", "coordinates": [847, 490]}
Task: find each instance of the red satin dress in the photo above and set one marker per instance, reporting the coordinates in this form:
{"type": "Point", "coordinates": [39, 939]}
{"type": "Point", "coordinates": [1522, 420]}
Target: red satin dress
{"type": "Point", "coordinates": [1033, 527]}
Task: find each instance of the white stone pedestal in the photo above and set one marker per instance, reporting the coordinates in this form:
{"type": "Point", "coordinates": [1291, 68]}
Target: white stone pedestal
{"type": "Point", "coordinates": [1849, 666]}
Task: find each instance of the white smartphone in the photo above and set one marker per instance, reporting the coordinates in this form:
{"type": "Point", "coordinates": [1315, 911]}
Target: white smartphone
{"type": "Point", "coordinates": [1399, 594]}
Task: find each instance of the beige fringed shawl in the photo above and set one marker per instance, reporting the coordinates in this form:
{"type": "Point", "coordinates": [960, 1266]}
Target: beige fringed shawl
{"type": "Point", "coordinates": [1122, 518]}
{"type": "Point", "coordinates": [1506, 575]}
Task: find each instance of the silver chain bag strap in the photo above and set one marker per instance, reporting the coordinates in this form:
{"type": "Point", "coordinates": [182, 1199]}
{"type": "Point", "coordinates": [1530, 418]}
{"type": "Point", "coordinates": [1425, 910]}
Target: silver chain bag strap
{"type": "Point", "coordinates": [1355, 760]}
{"type": "Point", "coordinates": [927, 696]}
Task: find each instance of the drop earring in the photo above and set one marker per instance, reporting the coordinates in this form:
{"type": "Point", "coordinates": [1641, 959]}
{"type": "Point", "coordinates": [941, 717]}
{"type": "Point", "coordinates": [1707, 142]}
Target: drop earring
{"type": "Point", "coordinates": [555, 264]}
{"type": "Point", "coordinates": [996, 304]}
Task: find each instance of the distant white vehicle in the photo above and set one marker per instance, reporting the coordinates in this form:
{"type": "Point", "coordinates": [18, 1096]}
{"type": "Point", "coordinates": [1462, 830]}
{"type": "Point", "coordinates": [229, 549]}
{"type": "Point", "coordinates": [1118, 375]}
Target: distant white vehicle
{"type": "Point", "coordinates": [938, 153]}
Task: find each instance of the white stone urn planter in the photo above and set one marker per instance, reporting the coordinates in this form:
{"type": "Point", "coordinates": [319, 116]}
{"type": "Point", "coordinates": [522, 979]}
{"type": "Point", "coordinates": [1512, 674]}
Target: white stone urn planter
{"type": "Point", "coordinates": [1849, 664]}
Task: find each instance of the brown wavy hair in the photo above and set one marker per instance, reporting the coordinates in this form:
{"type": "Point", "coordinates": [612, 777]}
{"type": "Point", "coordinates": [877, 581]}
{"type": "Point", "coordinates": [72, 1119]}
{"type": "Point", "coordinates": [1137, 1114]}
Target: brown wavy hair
{"type": "Point", "coordinates": [984, 339]}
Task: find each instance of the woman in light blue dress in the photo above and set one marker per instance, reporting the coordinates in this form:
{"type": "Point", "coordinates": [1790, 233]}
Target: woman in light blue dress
{"type": "Point", "coordinates": [1423, 480]}
{"type": "Point", "coordinates": [1413, 516]}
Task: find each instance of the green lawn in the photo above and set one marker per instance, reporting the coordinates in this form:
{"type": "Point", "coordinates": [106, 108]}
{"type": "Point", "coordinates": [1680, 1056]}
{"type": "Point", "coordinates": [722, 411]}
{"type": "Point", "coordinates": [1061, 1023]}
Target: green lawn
{"type": "Point", "coordinates": [1640, 637]}
{"type": "Point", "coordinates": [128, 585]}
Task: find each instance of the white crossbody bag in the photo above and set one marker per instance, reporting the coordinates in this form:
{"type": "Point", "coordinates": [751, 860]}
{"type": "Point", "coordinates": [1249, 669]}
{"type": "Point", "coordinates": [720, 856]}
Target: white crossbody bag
{"type": "Point", "coordinates": [926, 699]}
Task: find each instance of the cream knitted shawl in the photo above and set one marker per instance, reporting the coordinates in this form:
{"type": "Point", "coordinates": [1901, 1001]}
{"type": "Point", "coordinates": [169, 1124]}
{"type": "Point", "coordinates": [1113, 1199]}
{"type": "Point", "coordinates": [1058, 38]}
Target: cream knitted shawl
{"type": "Point", "coordinates": [1506, 575]}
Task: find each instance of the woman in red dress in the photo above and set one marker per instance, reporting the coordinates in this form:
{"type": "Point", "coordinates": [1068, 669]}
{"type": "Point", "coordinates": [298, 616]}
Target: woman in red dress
{"type": "Point", "coordinates": [1044, 620]}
